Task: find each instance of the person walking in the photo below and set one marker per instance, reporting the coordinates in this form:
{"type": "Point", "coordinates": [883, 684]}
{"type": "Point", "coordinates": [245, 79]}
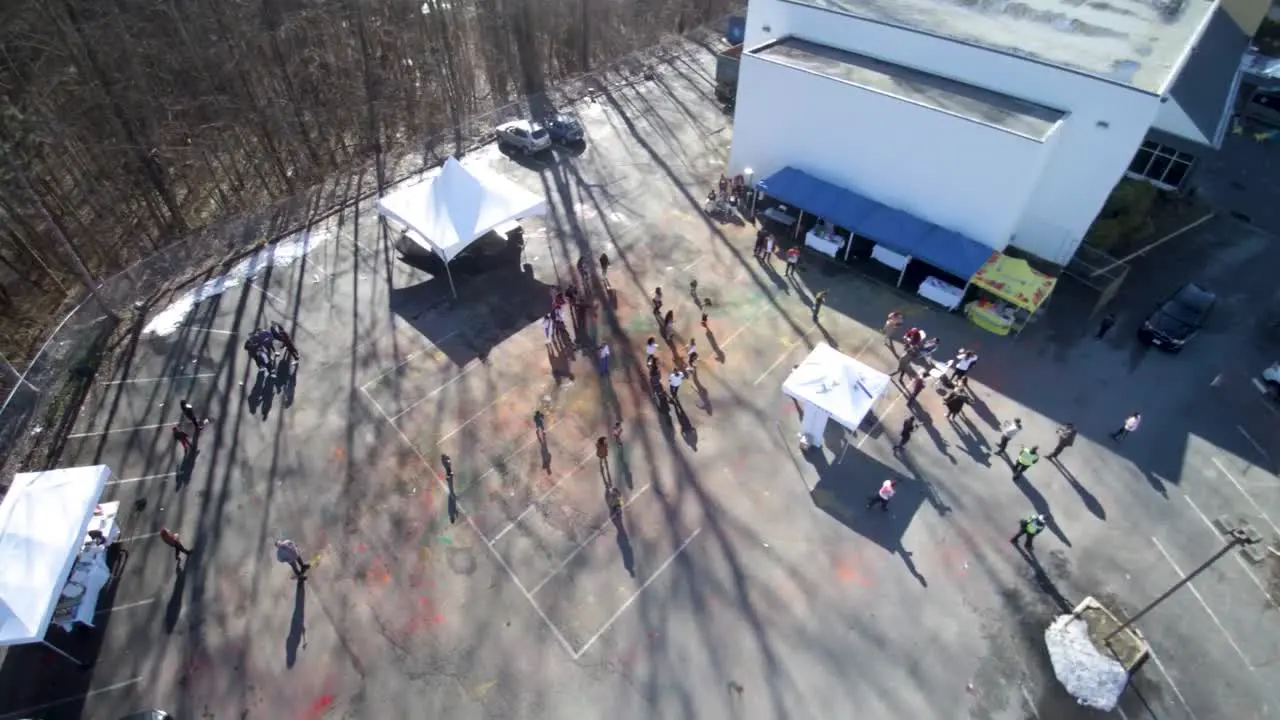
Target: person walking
{"type": "Point", "coordinates": [758, 250]}
{"type": "Point", "coordinates": [170, 538]}
{"type": "Point", "coordinates": [908, 427]}
{"type": "Point", "coordinates": [917, 386]}
{"type": "Point", "coordinates": [287, 551]}
{"type": "Point", "coordinates": [603, 353]}
{"type": "Point", "coordinates": [1131, 424]}
{"type": "Point", "coordinates": [964, 362]}
{"type": "Point", "coordinates": [540, 424]}
{"type": "Point", "coordinates": [883, 495]}
{"type": "Point", "coordinates": [613, 500]}
{"type": "Point", "coordinates": [183, 439]}
{"type": "Point", "coordinates": [1105, 325]}
{"type": "Point", "coordinates": [1030, 527]}
{"type": "Point", "coordinates": [691, 354]}
{"type": "Point", "coordinates": [616, 432]}
{"type": "Point", "coordinates": [818, 300]}
{"type": "Point", "coordinates": [285, 339]}
{"type": "Point", "coordinates": [793, 262]}
{"type": "Point", "coordinates": [602, 454]}
{"type": "Point", "coordinates": [668, 322]}
{"type": "Point", "coordinates": [954, 402]}
{"type": "Point", "coordinates": [1066, 438]}
{"type": "Point", "coordinates": [1026, 458]}
{"type": "Point", "coordinates": [891, 325]}
{"type": "Point", "coordinates": [674, 380]}
{"type": "Point", "coordinates": [604, 268]}
{"type": "Point", "coordinates": [190, 413]}
{"type": "Point", "coordinates": [657, 301]}
{"type": "Point", "coordinates": [1007, 431]}
{"type": "Point", "coordinates": [904, 368]}
{"type": "Point", "coordinates": [549, 329]}
{"type": "Point", "coordinates": [767, 257]}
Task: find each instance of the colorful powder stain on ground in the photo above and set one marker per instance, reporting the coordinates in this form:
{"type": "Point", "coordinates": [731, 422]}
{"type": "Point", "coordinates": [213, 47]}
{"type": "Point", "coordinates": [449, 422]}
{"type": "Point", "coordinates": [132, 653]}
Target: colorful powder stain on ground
{"type": "Point", "coordinates": [320, 707]}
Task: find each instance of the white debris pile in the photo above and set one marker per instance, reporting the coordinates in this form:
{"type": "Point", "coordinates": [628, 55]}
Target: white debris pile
{"type": "Point", "coordinates": [1095, 680]}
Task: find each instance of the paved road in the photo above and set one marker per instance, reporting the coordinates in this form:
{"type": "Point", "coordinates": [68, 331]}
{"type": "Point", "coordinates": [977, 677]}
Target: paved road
{"type": "Point", "coordinates": [747, 580]}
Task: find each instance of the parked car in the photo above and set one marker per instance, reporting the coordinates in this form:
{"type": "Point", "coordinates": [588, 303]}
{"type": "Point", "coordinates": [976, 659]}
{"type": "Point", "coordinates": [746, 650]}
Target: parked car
{"type": "Point", "coordinates": [1178, 319]}
{"type": "Point", "coordinates": [524, 136]}
{"type": "Point", "coordinates": [564, 129]}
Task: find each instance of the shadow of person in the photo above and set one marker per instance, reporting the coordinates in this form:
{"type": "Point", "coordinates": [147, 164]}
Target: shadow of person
{"type": "Point", "coordinates": [1042, 579]}
{"type": "Point", "coordinates": [624, 545]}
{"type": "Point", "coordinates": [704, 400]}
{"type": "Point", "coordinates": [267, 397]}
{"type": "Point", "coordinates": [827, 337]}
{"type": "Point", "coordinates": [911, 566]}
{"type": "Point", "coordinates": [1090, 501]}
{"type": "Point", "coordinates": [173, 610]}
{"type": "Point", "coordinates": [1042, 507]}
{"type": "Point", "coordinates": [715, 346]}
{"type": "Point", "coordinates": [983, 412]}
{"type": "Point", "coordinates": [297, 624]}
{"type": "Point", "coordinates": [453, 498]}
{"type": "Point", "coordinates": [926, 421]}
{"type": "Point", "coordinates": [254, 397]}
{"type": "Point", "coordinates": [546, 455]}
{"type": "Point", "coordinates": [187, 467]}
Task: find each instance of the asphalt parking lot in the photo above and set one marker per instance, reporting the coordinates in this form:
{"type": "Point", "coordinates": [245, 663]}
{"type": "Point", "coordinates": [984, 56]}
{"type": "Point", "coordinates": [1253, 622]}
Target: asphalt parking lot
{"type": "Point", "coordinates": [746, 579]}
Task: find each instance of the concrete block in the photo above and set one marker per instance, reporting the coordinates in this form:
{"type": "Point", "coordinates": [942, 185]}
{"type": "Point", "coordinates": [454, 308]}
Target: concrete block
{"type": "Point", "coordinates": [1255, 554]}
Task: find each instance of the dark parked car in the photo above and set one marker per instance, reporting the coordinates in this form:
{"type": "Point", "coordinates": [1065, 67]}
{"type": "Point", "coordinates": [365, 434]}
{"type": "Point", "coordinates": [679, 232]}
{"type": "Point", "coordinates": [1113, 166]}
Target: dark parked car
{"type": "Point", "coordinates": [563, 129]}
{"type": "Point", "coordinates": [1178, 319]}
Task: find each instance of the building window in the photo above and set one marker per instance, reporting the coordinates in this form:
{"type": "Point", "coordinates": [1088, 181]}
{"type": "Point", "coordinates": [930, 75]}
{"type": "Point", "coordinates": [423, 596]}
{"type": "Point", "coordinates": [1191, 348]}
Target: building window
{"type": "Point", "coordinates": [1161, 165]}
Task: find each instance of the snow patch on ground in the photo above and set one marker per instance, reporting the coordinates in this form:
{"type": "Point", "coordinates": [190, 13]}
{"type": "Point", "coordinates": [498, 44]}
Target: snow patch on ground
{"type": "Point", "coordinates": [280, 254]}
{"type": "Point", "coordinates": [1093, 679]}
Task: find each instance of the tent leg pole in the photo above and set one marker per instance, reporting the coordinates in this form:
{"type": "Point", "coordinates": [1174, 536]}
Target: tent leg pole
{"type": "Point", "coordinates": [799, 222]}
{"type": "Point", "coordinates": [755, 193]}
{"type": "Point", "coordinates": [848, 245]}
{"type": "Point", "coordinates": [903, 274]}
{"type": "Point", "coordinates": [449, 274]}
{"type": "Point", "coordinates": [63, 653]}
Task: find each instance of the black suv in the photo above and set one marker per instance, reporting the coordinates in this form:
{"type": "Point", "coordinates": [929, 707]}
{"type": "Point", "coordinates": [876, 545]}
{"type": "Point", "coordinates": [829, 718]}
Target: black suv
{"type": "Point", "coordinates": [563, 129]}
{"type": "Point", "coordinates": [1178, 319]}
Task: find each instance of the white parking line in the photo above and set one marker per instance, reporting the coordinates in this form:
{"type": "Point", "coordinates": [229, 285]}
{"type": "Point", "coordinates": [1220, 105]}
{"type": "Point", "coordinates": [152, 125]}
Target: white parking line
{"type": "Point", "coordinates": [636, 594]}
{"type": "Point", "coordinates": [502, 562]}
{"type": "Point", "coordinates": [262, 290]}
{"type": "Point", "coordinates": [125, 606]}
{"type": "Point", "coordinates": [1253, 442]}
{"type": "Point", "coordinates": [117, 430]}
{"type": "Point", "coordinates": [541, 497]}
{"type": "Point", "coordinates": [27, 712]}
{"type": "Point", "coordinates": [211, 330]}
{"type": "Point", "coordinates": [1247, 496]}
{"type": "Point", "coordinates": [470, 366]}
{"type": "Point", "coordinates": [473, 418]}
{"type": "Point", "coordinates": [790, 347]}
{"type": "Point", "coordinates": [590, 539]}
{"type": "Point", "coordinates": [1205, 605]}
{"type": "Point", "coordinates": [174, 378]}
{"type": "Point", "coordinates": [1169, 679]}
{"type": "Point", "coordinates": [1236, 555]}
{"type": "Point", "coordinates": [124, 481]}
{"type": "Point", "coordinates": [430, 348]}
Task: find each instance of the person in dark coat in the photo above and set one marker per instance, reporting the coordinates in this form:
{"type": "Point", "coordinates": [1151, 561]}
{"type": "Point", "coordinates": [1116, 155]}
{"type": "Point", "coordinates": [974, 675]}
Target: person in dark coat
{"type": "Point", "coordinates": [1066, 438]}
{"type": "Point", "coordinates": [908, 427]}
{"type": "Point", "coordinates": [954, 403]}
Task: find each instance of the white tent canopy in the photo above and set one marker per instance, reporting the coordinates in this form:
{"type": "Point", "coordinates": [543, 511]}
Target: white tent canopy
{"type": "Point", "coordinates": [43, 521]}
{"type": "Point", "coordinates": [453, 206]}
{"type": "Point", "coordinates": [832, 385]}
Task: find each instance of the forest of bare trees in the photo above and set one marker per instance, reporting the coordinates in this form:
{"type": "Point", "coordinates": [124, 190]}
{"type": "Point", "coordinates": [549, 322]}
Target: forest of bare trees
{"type": "Point", "coordinates": [125, 124]}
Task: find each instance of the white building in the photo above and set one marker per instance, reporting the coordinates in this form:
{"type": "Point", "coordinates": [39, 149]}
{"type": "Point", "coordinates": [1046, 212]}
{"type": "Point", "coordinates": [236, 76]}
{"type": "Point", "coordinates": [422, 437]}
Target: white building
{"type": "Point", "coordinates": [1005, 122]}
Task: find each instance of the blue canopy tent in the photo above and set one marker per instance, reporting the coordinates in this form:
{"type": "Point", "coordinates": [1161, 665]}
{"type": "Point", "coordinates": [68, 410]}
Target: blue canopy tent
{"type": "Point", "coordinates": [895, 229]}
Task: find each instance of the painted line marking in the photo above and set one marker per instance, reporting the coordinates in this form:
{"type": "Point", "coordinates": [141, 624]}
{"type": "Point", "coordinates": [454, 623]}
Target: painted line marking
{"type": "Point", "coordinates": [125, 606]}
{"type": "Point", "coordinates": [160, 379]}
{"type": "Point", "coordinates": [1253, 442]}
{"type": "Point", "coordinates": [142, 536]}
{"type": "Point", "coordinates": [1212, 616]}
{"type": "Point", "coordinates": [430, 348]}
{"type": "Point", "coordinates": [212, 330]}
{"type": "Point", "coordinates": [26, 712]}
{"type": "Point", "coordinates": [590, 539]}
{"type": "Point", "coordinates": [475, 417]}
{"type": "Point", "coordinates": [1261, 388]}
{"type": "Point", "coordinates": [1169, 679]}
{"type": "Point", "coordinates": [262, 290]}
{"type": "Point", "coordinates": [118, 430]}
{"type": "Point", "coordinates": [783, 356]}
{"type": "Point", "coordinates": [590, 454]}
{"type": "Point", "coordinates": [1236, 555]}
{"type": "Point", "coordinates": [502, 562]}
{"type": "Point", "coordinates": [689, 267]}
{"type": "Point", "coordinates": [124, 481]}
{"type": "Point", "coordinates": [636, 594]}
{"type": "Point", "coordinates": [470, 366]}
{"type": "Point", "coordinates": [1247, 496]}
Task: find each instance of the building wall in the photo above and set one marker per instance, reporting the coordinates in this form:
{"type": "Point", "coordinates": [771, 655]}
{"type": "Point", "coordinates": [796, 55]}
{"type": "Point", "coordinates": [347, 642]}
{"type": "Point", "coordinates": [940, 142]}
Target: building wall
{"type": "Point", "coordinates": [1096, 142]}
{"type": "Point", "coordinates": [1172, 119]}
{"type": "Point", "coordinates": [958, 174]}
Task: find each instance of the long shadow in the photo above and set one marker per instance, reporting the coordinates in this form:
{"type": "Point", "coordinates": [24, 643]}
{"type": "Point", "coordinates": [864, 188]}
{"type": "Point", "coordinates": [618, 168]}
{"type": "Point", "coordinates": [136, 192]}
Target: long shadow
{"type": "Point", "coordinates": [173, 610]}
{"type": "Point", "coordinates": [1041, 506]}
{"type": "Point", "coordinates": [297, 624]}
{"type": "Point", "coordinates": [1090, 501]}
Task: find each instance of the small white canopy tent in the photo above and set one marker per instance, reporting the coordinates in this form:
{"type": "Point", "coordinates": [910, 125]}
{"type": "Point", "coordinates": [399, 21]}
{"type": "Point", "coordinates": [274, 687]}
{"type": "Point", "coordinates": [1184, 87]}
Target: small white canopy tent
{"type": "Point", "coordinates": [831, 385]}
{"type": "Point", "coordinates": [43, 521]}
{"type": "Point", "coordinates": [453, 206]}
